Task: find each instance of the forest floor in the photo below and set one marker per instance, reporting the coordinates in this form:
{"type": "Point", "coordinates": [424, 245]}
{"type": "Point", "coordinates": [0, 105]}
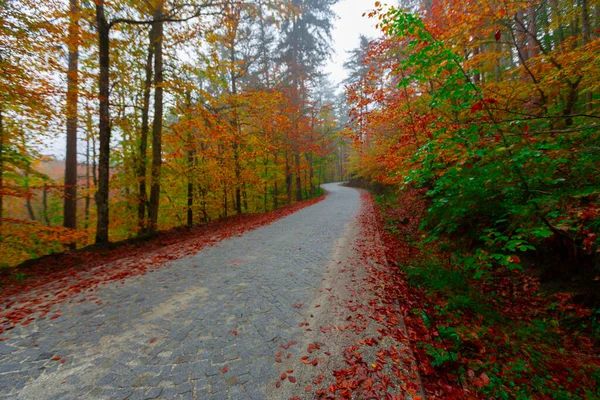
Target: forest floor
{"type": "Point", "coordinates": [290, 304]}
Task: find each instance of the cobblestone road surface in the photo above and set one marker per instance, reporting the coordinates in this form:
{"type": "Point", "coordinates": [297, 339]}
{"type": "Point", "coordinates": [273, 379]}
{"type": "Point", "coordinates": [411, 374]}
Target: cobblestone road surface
{"type": "Point", "coordinates": [248, 284]}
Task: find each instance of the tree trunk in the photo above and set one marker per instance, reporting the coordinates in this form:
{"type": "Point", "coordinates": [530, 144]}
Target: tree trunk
{"type": "Point", "coordinates": [190, 164]}
{"type": "Point", "coordinates": [70, 200]}
{"type": "Point", "coordinates": [87, 185]}
{"type": "Point", "coordinates": [104, 125]}
{"type": "Point", "coordinates": [288, 179]}
{"type": "Point", "coordinates": [521, 30]}
{"type": "Point", "coordinates": [45, 205]}
{"type": "Point", "coordinates": [298, 179]}
{"type": "Point", "coordinates": [28, 205]}
{"type": "Point", "coordinates": [477, 75]}
{"type": "Point", "coordinates": [141, 168]}
{"type": "Point", "coordinates": [1, 166]}
{"type": "Point", "coordinates": [585, 39]}
{"type": "Point", "coordinates": [532, 43]}
{"type": "Point", "coordinates": [275, 188]}
{"type": "Point", "coordinates": [158, 116]}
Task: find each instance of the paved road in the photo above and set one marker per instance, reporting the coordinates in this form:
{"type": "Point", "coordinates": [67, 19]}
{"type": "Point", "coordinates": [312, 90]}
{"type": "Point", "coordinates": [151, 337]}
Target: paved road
{"type": "Point", "coordinates": [248, 284]}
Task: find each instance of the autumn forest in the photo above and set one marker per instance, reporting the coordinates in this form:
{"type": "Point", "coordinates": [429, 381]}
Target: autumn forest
{"type": "Point", "coordinates": [470, 127]}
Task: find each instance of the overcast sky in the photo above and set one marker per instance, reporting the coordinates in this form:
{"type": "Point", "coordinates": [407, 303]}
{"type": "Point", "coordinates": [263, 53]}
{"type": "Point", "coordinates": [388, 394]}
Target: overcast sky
{"type": "Point", "coordinates": [347, 29]}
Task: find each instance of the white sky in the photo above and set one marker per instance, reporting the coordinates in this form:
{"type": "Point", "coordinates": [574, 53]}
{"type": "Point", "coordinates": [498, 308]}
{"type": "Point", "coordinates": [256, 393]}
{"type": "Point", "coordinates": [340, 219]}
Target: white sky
{"type": "Point", "coordinates": [347, 30]}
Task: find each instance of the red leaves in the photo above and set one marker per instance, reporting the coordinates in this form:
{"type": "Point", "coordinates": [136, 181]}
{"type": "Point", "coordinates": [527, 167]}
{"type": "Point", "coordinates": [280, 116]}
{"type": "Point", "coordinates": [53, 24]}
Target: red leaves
{"type": "Point", "coordinates": [233, 333]}
{"type": "Point", "coordinates": [65, 275]}
{"type": "Point", "coordinates": [225, 369]}
{"type": "Point", "coordinates": [498, 35]}
{"type": "Point", "coordinates": [283, 376]}
{"type": "Point", "coordinates": [291, 379]}
{"type": "Point", "coordinates": [152, 340]}
{"type": "Point", "coordinates": [479, 105]}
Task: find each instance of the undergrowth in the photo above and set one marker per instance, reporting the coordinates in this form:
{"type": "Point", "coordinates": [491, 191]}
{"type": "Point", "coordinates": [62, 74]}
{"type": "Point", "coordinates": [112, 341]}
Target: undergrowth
{"type": "Point", "coordinates": [487, 332]}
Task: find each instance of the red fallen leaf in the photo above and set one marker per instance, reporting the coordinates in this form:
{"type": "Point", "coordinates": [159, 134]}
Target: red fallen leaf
{"type": "Point", "coordinates": [233, 333]}
{"type": "Point", "coordinates": [289, 371]}
{"type": "Point", "coordinates": [2, 339]}
{"type": "Point", "coordinates": [289, 355]}
{"type": "Point", "coordinates": [283, 376]}
{"type": "Point", "coordinates": [498, 35]}
{"type": "Point", "coordinates": [55, 358]}
{"type": "Point", "coordinates": [55, 316]}
{"type": "Point", "coordinates": [63, 361]}
{"type": "Point", "coordinates": [279, 353]}
{"type": "Point", "coordinates": [152, 340]}
{"type": "Point", "coordinates": [317, 306]}
{"type": "Point", "coordinates": [278, 360]}
{"type": "Point", "coordinates": [291, 379]}
{"type": "Point", "coordinates": [308, 389]}
{"type": "Point", "coordinates": [318, 380]}
{"type": "Point", "coordinates": [225, 369]}
{"type": "Point", "coordinates": [305, 360]}
{"type": "Point", "coordinates": [278, 385]}
{"type": "Point", "coordinates": [315, 362]}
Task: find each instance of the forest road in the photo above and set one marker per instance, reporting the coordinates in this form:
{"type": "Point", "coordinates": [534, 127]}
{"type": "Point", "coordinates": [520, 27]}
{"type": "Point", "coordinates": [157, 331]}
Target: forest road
{"type": "Point", "coordinates": [207, 326]}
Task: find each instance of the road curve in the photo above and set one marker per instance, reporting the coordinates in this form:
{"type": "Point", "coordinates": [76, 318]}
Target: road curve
{"type": "Point", "coordinates": [203, 327]}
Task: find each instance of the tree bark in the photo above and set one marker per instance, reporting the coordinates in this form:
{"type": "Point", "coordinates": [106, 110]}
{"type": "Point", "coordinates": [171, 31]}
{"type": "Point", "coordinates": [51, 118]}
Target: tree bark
{"type": "Point", "coordinates": [141, 168]}
{"type": "Point", "coordinates": [298, 178]}
{"type": "Point", "coordinates": [521, 30]}
{"type": "Point", "coordinates": [1, 166]}
{"type": "Point", "coordinates": [585, 39]}
{"type": "Point", "coordinates": [104, 125]}
{"type": "Point", "coordinates": [158, 116]}
{"type": "Point", "coordinates": [70, 200]}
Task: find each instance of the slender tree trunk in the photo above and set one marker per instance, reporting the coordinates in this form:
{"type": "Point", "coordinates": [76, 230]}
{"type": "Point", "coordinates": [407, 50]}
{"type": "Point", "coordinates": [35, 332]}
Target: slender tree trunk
{"type": "Point", "coordinates": [477, 75]}
{"type": "Point", "coordinates": [298, 178]}
{"type": "Point", "coordinates": [521, 30]}
{"type": "Point", "coordinates": [288, 179]}
{"type": "Point", "coordinates": [1, 166]}
{"type": "Point", "coordinates": [104, 125]}
{"type": "Point", "coordinates": [275, 188]}
{"type": "Point", "coordinates": [585, 39]}
{"type": "Point", "coordinates": [28, 205]}
{"type": "Point", "coordinates": [87, 185]}
{"type": "Point", "coordinates": [143, 149]}
{"type": "Point", "coordinates": [190, 164]}
{"type": "Point", "coordinates": [45, 205]}
{"type": "Point", "coordinates": [70, 196]}
{"type": "Point", "coordinates": [158, 116]}
{"type": "Point", "coordinates": [532, 44]}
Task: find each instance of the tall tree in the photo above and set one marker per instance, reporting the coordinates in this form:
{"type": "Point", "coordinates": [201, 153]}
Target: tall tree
{"type": "Point", "coordinates": [70, 202]}
{"type": "Point", "coordinates": [157, 26]}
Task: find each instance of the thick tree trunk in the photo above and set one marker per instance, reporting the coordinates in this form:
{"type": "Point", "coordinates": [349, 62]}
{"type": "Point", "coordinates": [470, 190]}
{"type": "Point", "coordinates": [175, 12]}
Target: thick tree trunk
{"type": "Point", "coordinates": [143, 149]}
{"type": "Point", "coordinates": [104, 125]}
{"type": "Point", "coordinates": [70, 200]}
{"type": "Point", "coordinates": [158, 116]}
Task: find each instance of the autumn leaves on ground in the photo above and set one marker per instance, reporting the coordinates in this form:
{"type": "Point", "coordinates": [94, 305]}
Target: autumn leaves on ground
{"type": "Point", "coordinates": [181, 125]}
